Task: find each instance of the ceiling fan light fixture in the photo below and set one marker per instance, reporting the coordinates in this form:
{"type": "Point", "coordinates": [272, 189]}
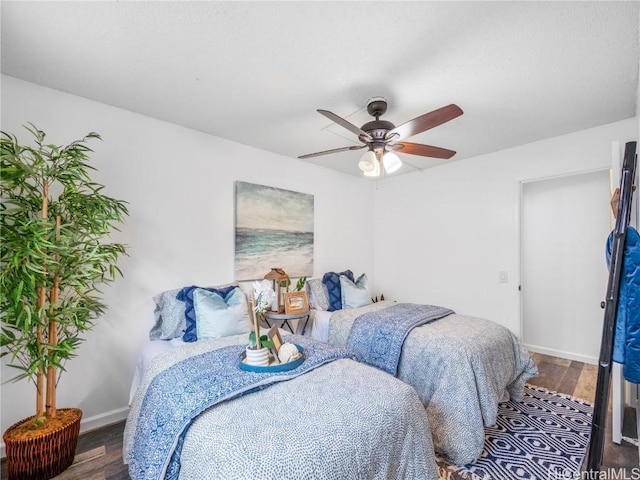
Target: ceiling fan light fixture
{"type": "Point", "coordinates": [368, 162]}
{"type": "Point", "coordinates": [375, 171]}
{"type": "Point", "coordinates": [391, 162]}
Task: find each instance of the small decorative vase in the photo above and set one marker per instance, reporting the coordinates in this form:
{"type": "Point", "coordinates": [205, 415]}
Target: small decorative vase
{"type": "Point", "coordinates": [258, 357]}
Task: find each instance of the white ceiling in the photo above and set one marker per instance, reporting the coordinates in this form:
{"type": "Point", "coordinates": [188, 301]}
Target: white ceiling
{"type": "Point", "coordinates": [255, 72]}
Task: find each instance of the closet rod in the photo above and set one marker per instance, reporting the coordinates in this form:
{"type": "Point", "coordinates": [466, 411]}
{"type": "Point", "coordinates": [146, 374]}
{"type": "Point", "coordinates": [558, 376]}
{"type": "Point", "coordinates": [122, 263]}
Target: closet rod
{"type": "Point", "coordinates": [596, 442]}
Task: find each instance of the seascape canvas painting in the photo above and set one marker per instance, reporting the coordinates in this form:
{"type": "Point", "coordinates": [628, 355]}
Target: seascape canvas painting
{"type": "Point", "coordinates": [274, 228]}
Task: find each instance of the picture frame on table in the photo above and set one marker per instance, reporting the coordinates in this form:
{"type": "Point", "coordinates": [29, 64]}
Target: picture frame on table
{"type": "Point", "coordinates": [296, 302]}
{"type": "Point", "coordinates": [274, 335]}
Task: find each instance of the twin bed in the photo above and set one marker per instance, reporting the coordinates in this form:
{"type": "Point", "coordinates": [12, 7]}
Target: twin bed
{"type": "Point", "coordinates": [335, 418]}
{"type": "Point", "coordinates": [460, 366]}
{"type": "Point", "coordinates": [339, 420]}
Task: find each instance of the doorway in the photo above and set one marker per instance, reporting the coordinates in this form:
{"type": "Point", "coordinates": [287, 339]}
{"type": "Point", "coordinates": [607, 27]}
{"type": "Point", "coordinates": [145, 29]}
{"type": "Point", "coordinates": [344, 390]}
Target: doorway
{"type": "Point", "coordinates": [564, 226]}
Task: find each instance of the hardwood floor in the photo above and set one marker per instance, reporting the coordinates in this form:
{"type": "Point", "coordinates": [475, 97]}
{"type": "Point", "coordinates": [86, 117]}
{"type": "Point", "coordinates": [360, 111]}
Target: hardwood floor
{"type": "Point", "coordinates": [99, 452]}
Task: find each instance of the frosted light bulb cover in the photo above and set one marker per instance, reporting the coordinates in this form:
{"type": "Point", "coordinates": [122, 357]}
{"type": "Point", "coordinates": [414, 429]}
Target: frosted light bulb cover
{"type": "Point", "coordinates": [391, 162]}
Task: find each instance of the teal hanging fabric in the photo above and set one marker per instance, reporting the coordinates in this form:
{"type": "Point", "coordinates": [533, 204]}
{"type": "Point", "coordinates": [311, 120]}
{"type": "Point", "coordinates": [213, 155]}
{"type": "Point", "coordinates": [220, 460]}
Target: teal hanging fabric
{"type": "Point", "coordinates": [626, 346]}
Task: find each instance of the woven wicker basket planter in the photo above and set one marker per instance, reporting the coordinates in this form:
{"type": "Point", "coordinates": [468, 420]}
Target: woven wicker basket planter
{"type": "Point", "coordinates": [43, 457]}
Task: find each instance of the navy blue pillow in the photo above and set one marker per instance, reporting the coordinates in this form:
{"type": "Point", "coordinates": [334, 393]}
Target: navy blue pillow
{"type": "Point", "coordinates": [331, 281]}
{"type": "Point", "coordinates": [186, 295]}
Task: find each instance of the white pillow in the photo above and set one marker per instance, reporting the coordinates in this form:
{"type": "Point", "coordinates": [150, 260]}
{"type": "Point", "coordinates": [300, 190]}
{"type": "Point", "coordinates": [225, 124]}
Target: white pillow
{"type": "Point", "coordinates": [218, 317]}
{"type": "Point", "coordinates": [356, 294]}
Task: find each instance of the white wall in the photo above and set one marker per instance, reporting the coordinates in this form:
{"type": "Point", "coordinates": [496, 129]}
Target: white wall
{"type": "Point", "coordinates": [180, 187]}
{"type": "Point", "coordinates": [442, 235]}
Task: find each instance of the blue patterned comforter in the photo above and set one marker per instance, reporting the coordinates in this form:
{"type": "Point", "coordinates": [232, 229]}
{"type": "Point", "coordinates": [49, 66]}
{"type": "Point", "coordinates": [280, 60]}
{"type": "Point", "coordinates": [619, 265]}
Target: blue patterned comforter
{"type": "Point", "coordinates": [237, 428]}
{"type": "Point", "coordinates": [461, 368]}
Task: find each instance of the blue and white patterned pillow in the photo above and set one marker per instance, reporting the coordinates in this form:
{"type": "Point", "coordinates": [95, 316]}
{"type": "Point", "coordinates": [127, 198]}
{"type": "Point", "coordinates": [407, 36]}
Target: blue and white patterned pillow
{"type": "Point", "coordinates": [186, 295]}
{"type": "Point", "coordinates": [356, 294]}
{"type": "Point", "coordinates": [169, 314]}
{"type": "Point", "coordinates": [331, 281]}
{"type": "Point", "coordinates": [318, 297]}
{"type": "Point", "coordinates": [218, 316]}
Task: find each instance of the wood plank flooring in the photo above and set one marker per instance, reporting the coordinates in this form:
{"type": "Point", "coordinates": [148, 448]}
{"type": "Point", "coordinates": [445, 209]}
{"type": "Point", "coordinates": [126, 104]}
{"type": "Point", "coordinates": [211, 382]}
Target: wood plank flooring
{"type": "Point", "coordinates": [99, 452]}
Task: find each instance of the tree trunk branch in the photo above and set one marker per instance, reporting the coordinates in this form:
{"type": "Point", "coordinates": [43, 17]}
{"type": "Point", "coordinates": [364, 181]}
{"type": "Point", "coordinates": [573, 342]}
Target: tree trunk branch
{"type": "Point", "coordinates": [42, 298]}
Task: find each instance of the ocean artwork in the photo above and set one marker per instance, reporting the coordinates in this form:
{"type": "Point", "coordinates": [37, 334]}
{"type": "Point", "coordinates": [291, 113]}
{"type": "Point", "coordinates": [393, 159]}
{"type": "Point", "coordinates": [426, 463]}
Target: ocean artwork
{"type": "Point", "coordinates": [274, 229]}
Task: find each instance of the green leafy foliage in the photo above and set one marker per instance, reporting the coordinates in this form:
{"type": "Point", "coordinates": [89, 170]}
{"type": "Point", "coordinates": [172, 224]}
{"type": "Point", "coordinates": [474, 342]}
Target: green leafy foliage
{"type": "Point", "coordinates": [300, 283]}
{"type": "Point", "coordinates": [264, 341]}
{"type": "Point", "coordinates": [34, 252]}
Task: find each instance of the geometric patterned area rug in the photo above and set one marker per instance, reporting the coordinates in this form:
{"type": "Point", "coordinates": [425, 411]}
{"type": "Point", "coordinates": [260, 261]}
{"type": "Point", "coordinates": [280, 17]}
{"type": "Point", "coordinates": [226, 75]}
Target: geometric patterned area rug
{"type": "Point", "coordinates": [543, 437]}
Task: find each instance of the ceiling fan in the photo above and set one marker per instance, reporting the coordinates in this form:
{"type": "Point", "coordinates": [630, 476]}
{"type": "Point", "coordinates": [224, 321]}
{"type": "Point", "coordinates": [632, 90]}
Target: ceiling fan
{"type": "Point", "coordinates": [383, 138]}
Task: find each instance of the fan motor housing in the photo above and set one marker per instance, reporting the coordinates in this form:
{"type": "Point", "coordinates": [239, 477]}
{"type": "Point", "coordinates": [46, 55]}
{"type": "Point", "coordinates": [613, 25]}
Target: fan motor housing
{"type": "Point", "coordinates": [377, 129]}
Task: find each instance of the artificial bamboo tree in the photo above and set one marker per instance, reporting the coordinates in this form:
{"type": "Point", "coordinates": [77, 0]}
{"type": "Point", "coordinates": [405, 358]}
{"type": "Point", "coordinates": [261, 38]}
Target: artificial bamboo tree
{"type": "Point", "coordinates": [55, 254]}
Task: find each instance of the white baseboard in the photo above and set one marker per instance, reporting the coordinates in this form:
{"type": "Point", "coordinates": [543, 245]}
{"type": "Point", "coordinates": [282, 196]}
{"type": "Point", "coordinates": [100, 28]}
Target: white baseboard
{"type": "Point", "coordinates": [92, 423]}
{"type": "Point", "coordinates": [559, 353]}
{"type": "Point", "coordinates": [104, 419]}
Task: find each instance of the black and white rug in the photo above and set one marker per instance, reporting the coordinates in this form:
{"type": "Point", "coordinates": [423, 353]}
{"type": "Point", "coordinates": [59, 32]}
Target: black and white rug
{"type": "Point", "coordinates": [543, 437]}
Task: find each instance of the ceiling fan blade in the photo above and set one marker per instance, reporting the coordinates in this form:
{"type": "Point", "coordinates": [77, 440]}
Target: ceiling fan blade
{"type": "Point", "coordinates": [422, 150]}
{"type": "Point", "coordinates": [335, 150]}
{"type": "Point", "coordinates": [425, 122]}
{"type": "Point", "coordinates": [343, 123]}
